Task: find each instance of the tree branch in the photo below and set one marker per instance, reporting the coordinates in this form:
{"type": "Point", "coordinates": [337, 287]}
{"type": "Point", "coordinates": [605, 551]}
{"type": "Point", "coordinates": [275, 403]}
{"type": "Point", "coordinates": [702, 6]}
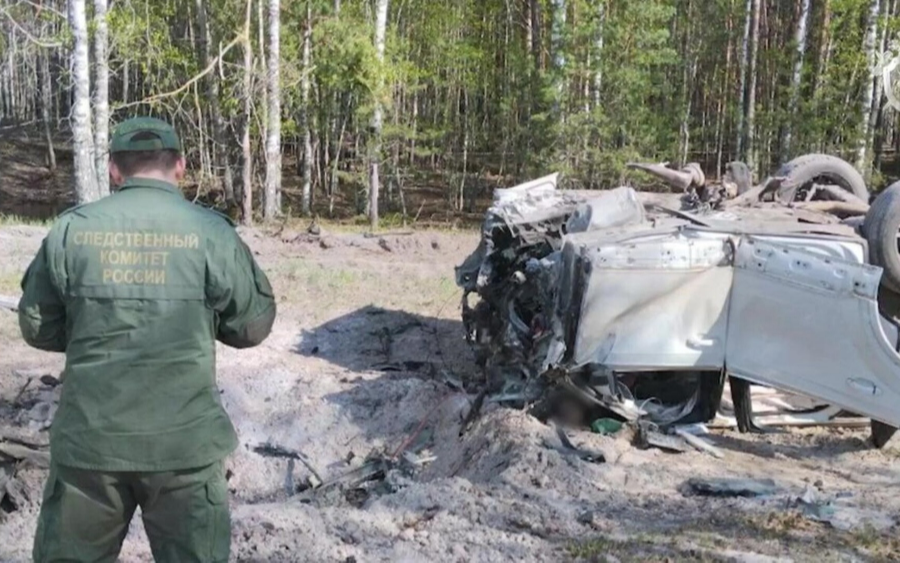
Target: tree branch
{"type": "Point", "coordinates": [29, 36]}
{"type": "Point", "coordinates": [41, 7]}
{"type": "Point", "coordinates": [209, 68]}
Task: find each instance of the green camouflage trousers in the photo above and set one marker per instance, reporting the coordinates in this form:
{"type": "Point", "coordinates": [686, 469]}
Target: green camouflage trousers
{"type": "Point", "coordinates": [85, 515]}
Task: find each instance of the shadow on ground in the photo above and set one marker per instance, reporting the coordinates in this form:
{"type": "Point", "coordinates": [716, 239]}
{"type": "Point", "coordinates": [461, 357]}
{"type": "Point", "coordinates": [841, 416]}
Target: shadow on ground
{"type": "Point", "coordinates": [400, 366]}
{"type": "Point", "coordinates": [394, 342]}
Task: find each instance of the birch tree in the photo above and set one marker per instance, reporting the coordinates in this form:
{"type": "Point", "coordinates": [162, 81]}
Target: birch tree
{"type": "Point", "coordinates": [751, 89]}
{"type": "Point", "coordinates": [471, 99]}
{"type": "Point", "coordinates": [865, 108]}
{"type": "Point", "coordinates": [558, 52]}
{"type": "Point", "coordinates": [273, 137]}
{"type": "Point", "coordinates": [221, 157]}
{"type": "Point", "coordinates": [85, 169]}
{"type": "Point", "coordinates": [247, 167]}
{"type": "Point", "coordinates": [745, 64]}
{"type": "Point", "coordinates": [306, 70]}
{"type": "Point", "coordinates": [381, 11]}
{"type": "Point", "coordinates": [101, 96]}
{"type": "Point", "coordinates": [46, 109]}
{"type": "Point", "coordinates": [797, 75]}
{"type": "Point", "coordinates": [598, 53]}
{"type": "Point", "coordinates": [886, 10]}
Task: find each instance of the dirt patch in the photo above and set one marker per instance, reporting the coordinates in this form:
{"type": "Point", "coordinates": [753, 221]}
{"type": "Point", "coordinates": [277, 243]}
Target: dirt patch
{"type": "Point", "coordinates": [367, 359]}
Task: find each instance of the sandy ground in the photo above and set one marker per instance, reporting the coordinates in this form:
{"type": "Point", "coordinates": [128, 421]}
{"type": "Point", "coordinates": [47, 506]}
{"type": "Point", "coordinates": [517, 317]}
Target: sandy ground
{"type": "Point", "coordinates": [366, 358]}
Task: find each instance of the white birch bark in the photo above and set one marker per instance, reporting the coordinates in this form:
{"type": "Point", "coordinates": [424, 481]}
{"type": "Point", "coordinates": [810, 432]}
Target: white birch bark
{"type": "Point", "coordinates": [46, 102]}
{"type": "Point", "coordinates": [751, 89]}
{"type": "Point", "coordinates": [887, 9]}
{"type": "Point", "coordinates": [273, 137]}
{"type": "Point", "coordinates": [745, 56]}
{"type": "Point", "coordinates": [85, 168]}
{"type": "Point", "coordinates": [598, 53]}
{"type": "Point", "coordinates": [865, 109]}
{"type": "Point", "coordinates": [304, 111]}
{"type": "Point", "coordinates": [378, 115]}
{"type": "Point", "coordinates": [101, 96]}
{"type": "Point", "coordinates": [797, 76]}
{"type": "Point", "coordinates": [557, 27]}
{"type": "Point", "coordinates": [247, 168]}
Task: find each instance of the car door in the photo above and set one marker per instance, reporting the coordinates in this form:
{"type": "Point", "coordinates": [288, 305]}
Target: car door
{"type": "Point", "coordinates": [656, 301]}
{"type": "Point", "coordinates": [808, 322]}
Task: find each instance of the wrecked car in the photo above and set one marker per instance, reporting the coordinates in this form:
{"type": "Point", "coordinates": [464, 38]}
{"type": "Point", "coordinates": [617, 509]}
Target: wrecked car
{"type": "Point", "coordinates": [646, 305]}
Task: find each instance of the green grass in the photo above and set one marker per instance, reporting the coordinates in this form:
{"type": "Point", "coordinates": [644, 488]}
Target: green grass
{"type": "Point", "coordinates": [388, 223]}
{"type": "Point", "coordinates": [11, 220]}
{"type": "Point", "coordinates": [17, 220]}
{"type": "Point", "coordinates": [640, 548]}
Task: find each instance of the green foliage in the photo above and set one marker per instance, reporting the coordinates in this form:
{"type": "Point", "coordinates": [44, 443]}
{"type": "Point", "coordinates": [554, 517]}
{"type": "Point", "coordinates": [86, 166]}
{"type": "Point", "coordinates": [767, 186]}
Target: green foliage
{"type": "Point", "coordinates": [473, 86]}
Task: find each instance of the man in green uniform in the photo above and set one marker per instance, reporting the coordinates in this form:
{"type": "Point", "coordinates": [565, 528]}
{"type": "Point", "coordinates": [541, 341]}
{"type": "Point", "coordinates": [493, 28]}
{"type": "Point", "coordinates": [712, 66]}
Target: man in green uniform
{"type": "Point", "coordinates": [136, 288]}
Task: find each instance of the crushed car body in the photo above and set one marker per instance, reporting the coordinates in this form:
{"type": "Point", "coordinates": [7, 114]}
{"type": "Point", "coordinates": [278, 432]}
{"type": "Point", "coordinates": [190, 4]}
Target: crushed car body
{"type": "Point", "coordinates": [647, 305]}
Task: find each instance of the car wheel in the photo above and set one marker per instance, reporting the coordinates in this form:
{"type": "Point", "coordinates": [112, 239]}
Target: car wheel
{"type": "Point", "coordinates": [881, 227]}
{"type": "Point", "coordinates": [803, 170]}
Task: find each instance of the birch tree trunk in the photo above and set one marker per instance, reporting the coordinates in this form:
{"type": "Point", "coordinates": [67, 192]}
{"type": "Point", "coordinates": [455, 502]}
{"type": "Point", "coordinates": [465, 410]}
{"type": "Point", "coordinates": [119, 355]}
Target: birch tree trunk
{"type": "Point", "coordinates": [304, 110]}
{"type": "Point", "coordinates": [220, 156]}
{"type": "Point", "coordinates": [751, 90]}
{"type": "Point", "coordinates": [557, 44]}
{"type": "Point", "coordinates": [101, 97]}
{"type": "Point", "coordinates": [598, 53]}
{"type": "Point", "coordinates": [742, 105]}
{"type": "Point", "coordinates": [247, 168]}
{"type": "Point", "coordinates": [797, 77]}
{"type": "Point", "coordinates": [877, 131]}
{"type": "Point", "coordinates": [273, 138]}
{"type": "Point", "coordinates": [46, 97]}
{"type": "Point", "coordinates": [85, 168]}
{"type": "Point", "coordinates": [886, 9]}
{"type": "Point", "coordinates": [378, 115]}
{"type": "Point", "coordinates": [865, 109]}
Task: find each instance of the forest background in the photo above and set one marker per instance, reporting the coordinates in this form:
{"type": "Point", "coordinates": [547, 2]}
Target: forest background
{"type": "Point", "coordinates": [414, 110]}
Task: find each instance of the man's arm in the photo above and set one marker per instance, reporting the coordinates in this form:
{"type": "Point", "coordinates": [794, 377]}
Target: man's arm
{"type": "Point", "coordinates": [243, 298]}
{"type": "Point", "coordinates": [42, 312]}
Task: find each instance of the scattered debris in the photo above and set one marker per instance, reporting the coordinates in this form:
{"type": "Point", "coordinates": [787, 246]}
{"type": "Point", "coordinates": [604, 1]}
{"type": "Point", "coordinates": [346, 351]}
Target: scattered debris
{"type": "Point", "coordinates": [22, 391]}
{"type": "Point", "coordinates": [410, 366]}
{"type": "Point", "coordinates": [697, 442]}
{"type": "Point", "coordinates": [836, 512]}
{"type": "Point", "coordinates": [19, 449]}
{"type": "Point", "coordinates": [606, 426]}
{"type": "Point", "coordinates": [385, 245]}
{"type": "Point", "coordinates": [649, 436]}
{"type": "Point", "coordinates": [569, 448]}
{"type": "Point", "coordinates": [49, 380]}
{"type": "Point", "coordinates": [727, 487]}
{"type": "Point", "coordinates": [271, 450]}
{"type": "Point", "coordinates": [9, 303]}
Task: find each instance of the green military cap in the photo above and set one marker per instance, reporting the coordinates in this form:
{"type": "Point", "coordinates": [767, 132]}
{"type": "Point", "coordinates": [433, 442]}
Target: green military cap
{"type": "Point", "coordinates": [131, 135]}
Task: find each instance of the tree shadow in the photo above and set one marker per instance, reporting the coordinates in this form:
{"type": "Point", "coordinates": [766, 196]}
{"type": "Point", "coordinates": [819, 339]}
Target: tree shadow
{"type": "Point", "coordinates": [822, 446]}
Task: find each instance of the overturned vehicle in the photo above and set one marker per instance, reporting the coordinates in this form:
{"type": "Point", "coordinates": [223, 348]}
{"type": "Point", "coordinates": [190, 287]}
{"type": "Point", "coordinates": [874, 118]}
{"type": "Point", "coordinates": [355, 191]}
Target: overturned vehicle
{"type": "Point", "coordinates": [644, 306]}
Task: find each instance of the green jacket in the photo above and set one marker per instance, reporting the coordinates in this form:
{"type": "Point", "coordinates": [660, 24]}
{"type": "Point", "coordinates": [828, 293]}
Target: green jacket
{"type": "Point", "coordinates": [136, 288]}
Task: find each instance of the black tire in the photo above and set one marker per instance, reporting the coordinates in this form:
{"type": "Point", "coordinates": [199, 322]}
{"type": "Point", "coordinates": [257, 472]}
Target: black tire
{"type": "Point", "coordinates": [804, 169]}
{"type": "Point", "coordinates": [881, 226]}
